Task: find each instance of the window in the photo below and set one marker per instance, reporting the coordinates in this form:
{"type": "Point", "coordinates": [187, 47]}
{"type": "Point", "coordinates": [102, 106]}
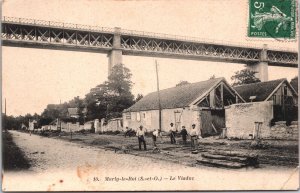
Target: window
{"type": "Point", "coordinates": [148, 118]}
{"type": "Point", "coordinates": [138, 116]}
{"type": "Point", "coordinates": [128, 115]}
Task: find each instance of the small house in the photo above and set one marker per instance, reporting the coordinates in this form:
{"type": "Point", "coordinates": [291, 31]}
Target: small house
{"type": "Point", "coordinates": [32, 125]}
{"type": "Point", "coordinates": [74, 112]}
{"type": "Point", "coordinates": [200, 103]}
{"type": "Point", "coordinates": [280, 92]}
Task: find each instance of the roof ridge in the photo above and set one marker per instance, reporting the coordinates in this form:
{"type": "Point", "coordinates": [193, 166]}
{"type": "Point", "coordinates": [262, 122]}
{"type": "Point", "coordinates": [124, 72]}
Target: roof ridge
{"type": "Point", "coordinates": [281, 79]}
{"type": "Point", "coordinates": [193, 83]}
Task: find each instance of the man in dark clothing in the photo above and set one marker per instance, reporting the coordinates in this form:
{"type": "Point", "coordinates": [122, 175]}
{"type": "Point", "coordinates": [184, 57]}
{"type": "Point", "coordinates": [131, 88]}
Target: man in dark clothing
{"type": "Point", "coordinates": [127, 130]}
{"type": "Point", "coordinates": [141, 137]}
{"type": "Point", "coordinates": [183, 133]}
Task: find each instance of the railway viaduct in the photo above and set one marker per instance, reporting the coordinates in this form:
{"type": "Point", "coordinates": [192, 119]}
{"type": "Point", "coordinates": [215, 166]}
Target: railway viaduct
{"type": "Point", "coordinates": [116, 42]}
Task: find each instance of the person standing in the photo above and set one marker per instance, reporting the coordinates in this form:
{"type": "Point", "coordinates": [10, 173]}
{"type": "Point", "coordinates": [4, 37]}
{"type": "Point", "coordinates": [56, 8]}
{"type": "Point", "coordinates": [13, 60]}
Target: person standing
{"type": "Point", "coordinates": [194, 137]}
{"type": "Point", "coordinates": [141, 137]}
{"type": "Point", "coordinates": [126, 131]}
{"type": "Point", "coordinates": [172, 133]}
{"type": "Point", "coordinates": [183, 133]}
{"type": "Point", "coordinates": [154, 137]}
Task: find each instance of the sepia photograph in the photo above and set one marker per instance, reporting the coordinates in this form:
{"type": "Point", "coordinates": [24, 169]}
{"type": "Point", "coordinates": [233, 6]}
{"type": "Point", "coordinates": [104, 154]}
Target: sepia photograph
{"type": "Point", "coordinates": [149, 95]}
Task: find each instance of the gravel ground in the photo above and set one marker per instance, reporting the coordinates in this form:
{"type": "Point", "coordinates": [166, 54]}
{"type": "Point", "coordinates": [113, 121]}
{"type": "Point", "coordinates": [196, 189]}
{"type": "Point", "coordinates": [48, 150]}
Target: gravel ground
{"type": "Point", "coordinates": [62, 165]}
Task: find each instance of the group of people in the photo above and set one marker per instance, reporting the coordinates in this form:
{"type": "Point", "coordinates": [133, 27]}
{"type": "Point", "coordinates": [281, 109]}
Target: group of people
{"type": "Point", "coordinates": [140, 133]}
{"type": "Point", "coordinates": [193, 133]}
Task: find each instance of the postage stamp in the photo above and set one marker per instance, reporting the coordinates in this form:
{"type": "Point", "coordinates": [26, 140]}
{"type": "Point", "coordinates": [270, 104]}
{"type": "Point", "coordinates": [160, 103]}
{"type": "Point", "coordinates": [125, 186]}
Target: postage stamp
{"type": "Point", "coordinates": [272, 19]}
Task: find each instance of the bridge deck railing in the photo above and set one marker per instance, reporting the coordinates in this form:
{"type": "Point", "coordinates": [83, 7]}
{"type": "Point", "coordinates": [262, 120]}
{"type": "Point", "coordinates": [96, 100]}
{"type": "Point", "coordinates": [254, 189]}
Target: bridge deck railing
{"type": "Point", "coordinates": [136, 33]}
{"type": "Point", "coordinates": [56, 24]}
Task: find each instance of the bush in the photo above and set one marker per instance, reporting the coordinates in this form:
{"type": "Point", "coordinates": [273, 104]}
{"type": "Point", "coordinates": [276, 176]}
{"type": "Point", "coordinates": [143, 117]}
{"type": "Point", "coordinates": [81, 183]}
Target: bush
{"type": "Point", "coordinates": [45, 134]}
{"type": "Point", "coordinates": [13, 157]}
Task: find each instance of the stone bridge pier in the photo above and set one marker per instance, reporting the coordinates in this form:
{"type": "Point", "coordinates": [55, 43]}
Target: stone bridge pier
{"type": "Point", "coordinates": [261, 67]}
{"type": "Point", "coordinates": [115, 55]}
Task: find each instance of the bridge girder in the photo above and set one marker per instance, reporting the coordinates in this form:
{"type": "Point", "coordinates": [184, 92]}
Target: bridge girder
{"type": "Point", "coordinates": [117, 42]}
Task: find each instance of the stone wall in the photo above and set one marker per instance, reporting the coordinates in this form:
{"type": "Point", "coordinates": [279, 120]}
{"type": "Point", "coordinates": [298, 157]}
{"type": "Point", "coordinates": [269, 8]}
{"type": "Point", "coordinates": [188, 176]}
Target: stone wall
{"type": "Point", "coordinates": [240, 119]}
{"type": "Point", "coordinates": [281, 131]}
{"type": "Point", "coordinates": [68, 127]}
{"type": "Point", "coordinates": [112, 125]}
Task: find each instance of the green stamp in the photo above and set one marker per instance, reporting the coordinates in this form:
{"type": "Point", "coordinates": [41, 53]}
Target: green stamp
{"type": "Point", "coordinates": [272, 19]}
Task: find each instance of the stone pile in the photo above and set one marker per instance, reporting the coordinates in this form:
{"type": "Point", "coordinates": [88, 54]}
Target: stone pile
{"type": "Point", "coordinates": [228, 159]}
{"type": "Point", "coordinates": [281, 131]}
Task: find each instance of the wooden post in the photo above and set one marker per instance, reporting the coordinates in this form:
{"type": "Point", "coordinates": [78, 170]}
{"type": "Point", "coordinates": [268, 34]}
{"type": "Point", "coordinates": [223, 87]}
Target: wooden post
{"type": "Point", "coordinates": [214, 128]}
{"type": "Point", "coordinates": [5, 107]}
{"type": "Point", "coordinates": [222, 95]}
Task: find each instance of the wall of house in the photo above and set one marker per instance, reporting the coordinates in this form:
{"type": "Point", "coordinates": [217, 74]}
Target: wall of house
{"type": "Point", "coordinates": [150, 119]}
{"type": "Point", "coordinates": [180, 117]}
{"type": "Point", "coordinates": [240, 118]}
{"type": "Point", "coordinates": [49, 127]}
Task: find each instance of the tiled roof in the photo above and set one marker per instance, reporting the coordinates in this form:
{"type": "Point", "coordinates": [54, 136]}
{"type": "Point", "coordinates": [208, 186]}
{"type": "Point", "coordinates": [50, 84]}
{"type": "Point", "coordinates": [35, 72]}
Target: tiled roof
{"type": "Point", "coordinates": [176, 97]}
{"type": "Point", "coordinates": [260, 89]}
{"type": "Point", "coordinates": [294, 84]}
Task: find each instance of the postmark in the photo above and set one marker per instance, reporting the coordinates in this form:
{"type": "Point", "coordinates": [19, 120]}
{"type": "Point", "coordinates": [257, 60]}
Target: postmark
{"type": "Point", "coordinates": [272, 19]}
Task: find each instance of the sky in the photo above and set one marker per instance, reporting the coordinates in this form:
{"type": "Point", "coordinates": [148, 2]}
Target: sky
{"type": "Point", "coordinates": [33, 78]}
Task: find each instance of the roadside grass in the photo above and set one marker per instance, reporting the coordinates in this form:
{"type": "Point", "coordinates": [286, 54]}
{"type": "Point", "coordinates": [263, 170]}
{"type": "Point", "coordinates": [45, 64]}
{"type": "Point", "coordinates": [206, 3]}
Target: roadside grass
{"type": "Point", "coordinates": [12, 156]}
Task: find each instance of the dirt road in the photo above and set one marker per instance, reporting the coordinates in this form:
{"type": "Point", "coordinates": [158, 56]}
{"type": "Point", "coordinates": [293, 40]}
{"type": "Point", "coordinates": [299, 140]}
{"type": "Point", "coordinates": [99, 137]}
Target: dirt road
{"type": "Point", "coordinates": [62, 165]}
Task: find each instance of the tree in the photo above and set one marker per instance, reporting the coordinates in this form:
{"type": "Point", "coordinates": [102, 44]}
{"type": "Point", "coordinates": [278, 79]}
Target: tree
{"type": "Point", "coordinates": [294, 83]}
{"type": "Point", "coordinates": [245, 76]}
{"type": "Point", "coordinates": [11, 122]}
{"type": "Point", "coordinates": [111, 97]}
{"type": "Point", "coordinates": [138, 97]}
{"type": "Point", "coordinates": [96, 103]}
{"type": "Point", "coordinates": [212, 77]}
{"type": "Point", "coordinates": [182, 82]}
{"type": "Point", "coordinates": [49, 114]}
{"type": "Point", "coordinates": [119, 86]}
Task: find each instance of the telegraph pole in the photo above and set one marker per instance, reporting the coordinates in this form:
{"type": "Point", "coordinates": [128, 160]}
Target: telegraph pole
{"type": "Point", "coordinates": [5, 106]}
{"type": "Point", "coordinates": [159, 105]}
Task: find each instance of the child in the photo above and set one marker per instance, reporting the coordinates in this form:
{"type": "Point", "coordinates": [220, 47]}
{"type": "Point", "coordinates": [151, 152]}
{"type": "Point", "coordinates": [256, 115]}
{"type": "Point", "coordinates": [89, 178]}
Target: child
{"type": "Point", "coordinates": [183, 133]}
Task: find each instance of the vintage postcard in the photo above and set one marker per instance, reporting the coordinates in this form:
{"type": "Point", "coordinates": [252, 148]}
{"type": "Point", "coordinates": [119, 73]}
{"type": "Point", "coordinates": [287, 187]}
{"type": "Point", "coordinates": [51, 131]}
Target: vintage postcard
{"type": "Point", "coordinates": [164, 95]}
